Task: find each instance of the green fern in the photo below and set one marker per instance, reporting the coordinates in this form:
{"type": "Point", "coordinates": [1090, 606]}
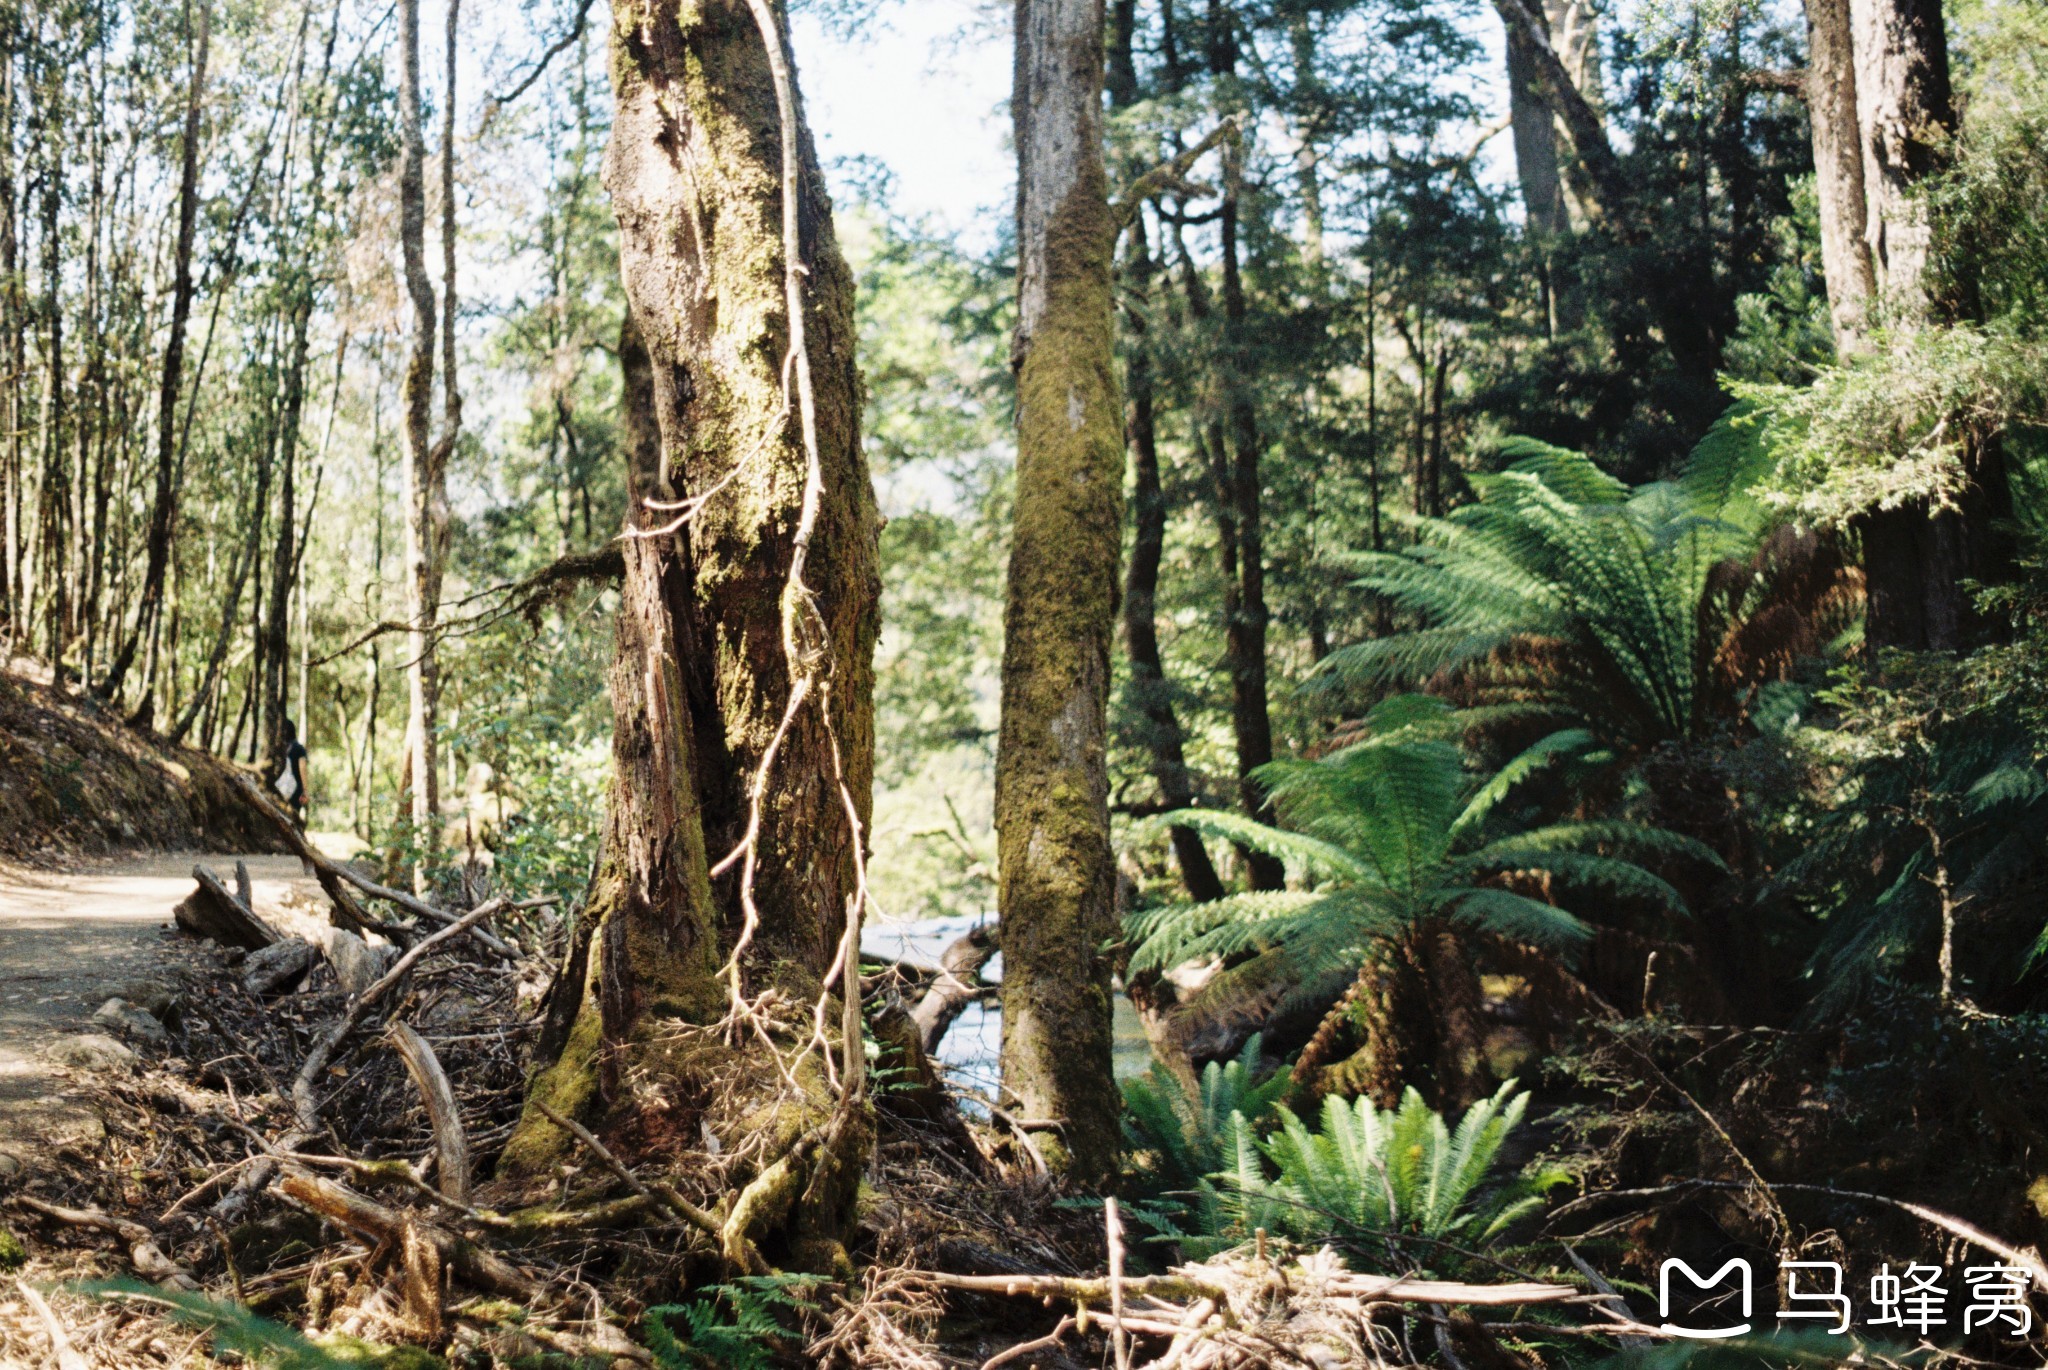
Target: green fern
{"type": "Point", "coordinates": [1181, 1137]}
{"type": "Point", "coordinates": [1393, 832]}
{"type": "Point", "coordinates": [1639, 616]}
{"type": "Point", "coordinates": [734, 1326]}
{"type": "Point", "coordinates": [1367, 1174]}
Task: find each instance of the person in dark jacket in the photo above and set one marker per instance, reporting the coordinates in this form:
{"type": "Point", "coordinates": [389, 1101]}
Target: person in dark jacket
{"type": "Point", "coordinates": [291, 781]}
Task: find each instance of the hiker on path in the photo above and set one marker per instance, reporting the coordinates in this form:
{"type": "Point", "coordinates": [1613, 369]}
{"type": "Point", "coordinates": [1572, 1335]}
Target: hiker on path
{"type": "Point", "coordinates": [291, 781]}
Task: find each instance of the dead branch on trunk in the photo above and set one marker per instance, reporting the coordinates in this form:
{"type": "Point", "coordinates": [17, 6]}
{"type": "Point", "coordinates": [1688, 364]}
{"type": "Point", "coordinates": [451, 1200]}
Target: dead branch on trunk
{"type": "Point", "coordinates": [958, 985]}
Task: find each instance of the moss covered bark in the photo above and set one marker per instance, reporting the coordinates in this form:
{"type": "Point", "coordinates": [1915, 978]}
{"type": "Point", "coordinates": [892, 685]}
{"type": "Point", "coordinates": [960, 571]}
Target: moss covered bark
{"type": "Point", "coordinates": [701, 681]}
{"type": "Point", "coordinates": [1052, 798]}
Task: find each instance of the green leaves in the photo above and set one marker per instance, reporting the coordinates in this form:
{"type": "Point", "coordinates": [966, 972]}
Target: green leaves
{"type": "Point", "coordinates": [1392, 831]}
{"type": "Point", "coordinates": [736, 1326]}
{"type": "Point", "coordinates": [1604, 607]}
{"type": "Point", "coordinates": [1365, 1173]}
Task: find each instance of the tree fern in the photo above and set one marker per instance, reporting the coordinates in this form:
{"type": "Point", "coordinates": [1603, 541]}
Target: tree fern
{"type": "Point", "coordinates": [1393, 832]}
{"type": "Point", "coordinates": [1636, 616]}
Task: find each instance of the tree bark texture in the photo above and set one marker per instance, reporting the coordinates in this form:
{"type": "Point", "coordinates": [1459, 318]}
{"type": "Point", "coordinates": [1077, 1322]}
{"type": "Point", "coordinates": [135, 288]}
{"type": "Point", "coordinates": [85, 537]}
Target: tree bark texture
{"type": "Point", "coordinates": [1838, 170]}
{"type": "Point", "coordinates": [1906, 113]}
{"type": "Point", "coordinates": [1056, 882]}
{"type": "Point", "coordinates": [1916, 558]}
{"type": "Point", "coordinates": [426, 522]}
{"type": "Point", "coordinates": [701, 684]}
{"type": "Point", "coordinates": [1534, 130]}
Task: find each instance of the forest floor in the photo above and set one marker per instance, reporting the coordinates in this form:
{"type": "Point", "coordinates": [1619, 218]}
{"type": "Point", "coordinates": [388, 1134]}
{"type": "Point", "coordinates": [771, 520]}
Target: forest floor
{"type": "Point", "coordinates": [73, 937]}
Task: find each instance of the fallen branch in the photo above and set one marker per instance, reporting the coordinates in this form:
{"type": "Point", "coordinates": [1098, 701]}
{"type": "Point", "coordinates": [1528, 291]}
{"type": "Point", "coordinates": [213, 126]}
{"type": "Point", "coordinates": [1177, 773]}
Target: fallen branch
{"type": "Point", "coordinates": [213, 910]}
{"type": "Point", "coordinates": [471, 1263]}
{"type": "Point", "coordinates": [349, 913]}
{"type": "Point", "coordinates": [958, 985]}
{"type": "Point", "coordinates": [1023, 1349]}
{"type": "Point", "coordinates": [148, 1258]}
{"type": "Point", "coordinates": [451, 1143]}
{"type": "Point", "coordinates": [303, 1100]}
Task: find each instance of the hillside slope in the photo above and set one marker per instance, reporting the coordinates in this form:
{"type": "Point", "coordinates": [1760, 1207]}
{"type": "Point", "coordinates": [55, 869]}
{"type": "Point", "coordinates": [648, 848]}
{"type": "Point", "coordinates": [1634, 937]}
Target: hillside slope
{"type": "Point", "coordinates": [75, 781]}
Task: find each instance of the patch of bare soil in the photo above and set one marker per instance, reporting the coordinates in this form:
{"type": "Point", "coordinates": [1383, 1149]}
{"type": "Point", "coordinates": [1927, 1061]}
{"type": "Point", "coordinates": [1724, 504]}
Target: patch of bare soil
{"type": "Point", "coordinates": [72, 938]}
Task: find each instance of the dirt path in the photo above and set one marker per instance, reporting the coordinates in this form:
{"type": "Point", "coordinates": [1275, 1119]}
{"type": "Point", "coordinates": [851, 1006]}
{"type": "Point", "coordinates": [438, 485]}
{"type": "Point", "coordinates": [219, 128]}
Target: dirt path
{"type": "Point", "coordinates": [69, 941]}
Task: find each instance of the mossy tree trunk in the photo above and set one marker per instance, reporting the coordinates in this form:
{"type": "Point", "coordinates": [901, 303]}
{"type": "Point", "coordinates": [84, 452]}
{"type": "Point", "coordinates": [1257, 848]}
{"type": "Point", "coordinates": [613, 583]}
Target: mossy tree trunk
{"type": "Point", "coordinates": [1917, 557]}
{"type": "Point", "coordinates": [701, 683]}
{"type": "Point", "coordinates": [1056, 872]}
{"type": "Point", "coordinates": [1148, 692]}
{"type": "Point", "coordinates": [426, 483]}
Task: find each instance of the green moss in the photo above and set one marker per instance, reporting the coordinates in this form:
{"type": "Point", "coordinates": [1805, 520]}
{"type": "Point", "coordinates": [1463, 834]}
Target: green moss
{"type": "Point", "coordinates": [1052, 818]}
{"type": "Point", "coordinates": [493, 1312]}
{"type": "Point", "coordinates": [371, 1355]}
{"type": "Point", "coordinates": [13, 1255]}
{"type": "Point", "coordinates": [567, 1087]}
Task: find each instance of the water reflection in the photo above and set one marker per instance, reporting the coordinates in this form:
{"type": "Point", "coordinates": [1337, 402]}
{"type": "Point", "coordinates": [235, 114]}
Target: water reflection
{"type": "Point", "coordinates": [972, 1047]}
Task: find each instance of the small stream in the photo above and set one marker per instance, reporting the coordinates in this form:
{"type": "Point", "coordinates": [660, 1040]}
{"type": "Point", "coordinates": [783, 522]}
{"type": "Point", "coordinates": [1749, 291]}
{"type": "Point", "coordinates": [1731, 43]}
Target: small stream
{"type": "Point", "coordinates": [972, 1047]}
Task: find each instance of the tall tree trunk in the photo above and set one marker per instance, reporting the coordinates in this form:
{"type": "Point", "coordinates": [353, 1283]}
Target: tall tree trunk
{"type": "Point", "coordinates": [1906, 112]}
{"type": "Point", "coordinates": [1534, 130]}
{"type": "Point", "coordinates": [1917, 558]}
{"type": "Point", "coordinates": [425, 478]}
{"type": "Point", "coordinates": [1308, 172]}
{"type": "Point", "coordinates": [1245, 598]}
{"type": "Point", "coordinates": [1239, 492]}
{"type": "Point", "coordinates": [289, 544]}
{"type": "Point", "coordinates": [1838, 170]}
{"type": "Point", "coordinates": [1149, 690]}
{"type": "Point", "coordinates": [451, 393]}
{"type": "Point", "coordinates": [14, 324]}
{"type": "Point", "coordinates": [163, 507]}
{"type": "Point", "coordinates": [1057, 877]}
{"type": "Point", "coordinates": [1600, 185]}
{"type": "Point", "coordinates": [54, 508]}
{"type": "Point", "coordinates": [743, 684]}
{"type": "Point", "coordinates": [276, 655]}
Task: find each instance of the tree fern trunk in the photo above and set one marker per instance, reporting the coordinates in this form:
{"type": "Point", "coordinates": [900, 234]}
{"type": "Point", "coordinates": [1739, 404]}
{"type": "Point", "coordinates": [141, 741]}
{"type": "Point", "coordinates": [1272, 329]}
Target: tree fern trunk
{"type": "Point", "coordinates": [1458, 1012]}
{"type": "Point", "coordinates": [1389, 1006]}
